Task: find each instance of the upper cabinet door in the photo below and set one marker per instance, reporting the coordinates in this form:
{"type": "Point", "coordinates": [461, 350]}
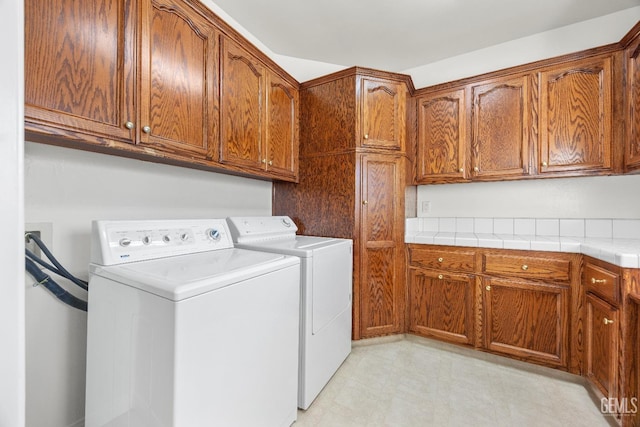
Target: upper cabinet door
{"type": "Point", "coordinates": [178, 102]}
{"type": "Point", "coordinates": [282, 127]}
{"type": "Point", "coordinates": [576, 116]}
{"type": "Point", "coordinates": [632, 151]}
{"type": "Point", "coordinates": [241, 107]}
{"type": "Point", "coordinates": [78, 67]}
{"type": "Point", "coordinates": [442, 137]}
{"type": "Point", "coordinates": [383, 114]}
{"type": "Point", "coordinates": [500, 128]}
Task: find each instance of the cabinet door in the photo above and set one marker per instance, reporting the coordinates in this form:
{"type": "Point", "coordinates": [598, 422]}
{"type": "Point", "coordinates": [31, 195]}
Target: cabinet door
{"type": "Point", "coordinates": [282, 127]}
{"type": "Point", "coordinates": [527, 320]}
{"type": "Point", "coordinates": [575, 117]}
{"type": "Point", "coordinates": [500, 128]}
{"type": "Point", "coordinates": [602, 345]}
{"type": "Point", "coordinates": [383, 114]}
{"type": "Point", "coordinates": [241, 108]}
{"type": "Point", "coordinates": [441, 305]}
{"type": "Point", "coordinates": [382, 248]}
{"type": "Point", "coordinates": [79, 67]}
{"type": "Point", "coordinates": [441, 137]}
{"type": "Point", "coordinates": [178, 80]}
{"type": "Point", "coordinates": [632, 152]}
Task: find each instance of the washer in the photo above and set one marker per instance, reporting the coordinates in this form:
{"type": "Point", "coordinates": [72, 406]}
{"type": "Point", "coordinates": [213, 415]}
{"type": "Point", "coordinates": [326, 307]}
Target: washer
{"type": "Point", "coordinates": [185, 330]}
{"type": "Point", "coordinates": [326, 289]}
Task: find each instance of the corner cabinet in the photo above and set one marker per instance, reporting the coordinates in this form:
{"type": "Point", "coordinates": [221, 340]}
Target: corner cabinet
{"type": "Point", "coordinates": [351, 185]}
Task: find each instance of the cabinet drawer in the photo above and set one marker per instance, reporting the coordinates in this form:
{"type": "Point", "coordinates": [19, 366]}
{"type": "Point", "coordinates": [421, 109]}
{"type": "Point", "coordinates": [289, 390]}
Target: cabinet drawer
{"type": "Point", "coordinates": [527, 267]}
{"type": "Point", "coordinates": [602, 282]}
{"type": "Point", "coordinates": [439, 259]}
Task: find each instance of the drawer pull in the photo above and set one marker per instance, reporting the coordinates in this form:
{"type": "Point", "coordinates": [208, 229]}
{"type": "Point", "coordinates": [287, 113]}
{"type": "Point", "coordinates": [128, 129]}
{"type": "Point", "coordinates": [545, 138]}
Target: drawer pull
{"type": "Point", "coordinates": [525, 267]}
{"type": "Point", "coordinates": [440, 259]}
{"type": "Point", "coordinates": [440, 276]}
{"type": "Point", "coordinates": [488, 288]}
{"type": "Point", "coordinates": [607, 321]}
{"type": "Point", "coordinates": [594, 280]}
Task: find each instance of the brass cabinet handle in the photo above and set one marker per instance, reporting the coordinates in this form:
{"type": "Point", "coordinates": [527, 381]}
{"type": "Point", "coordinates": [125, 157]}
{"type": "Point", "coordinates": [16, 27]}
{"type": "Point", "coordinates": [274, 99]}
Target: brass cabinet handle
{"type": "Point", "coordinates": [525, 267]}
{"type": "Point", "coordinates": [440, 276]}
{"type": "Point", "coordinates": [544, 164]}
{"type": "Point", "coordinates": [146, 129]}
{"type": "Point", "coordinates": [607, 321]}
{"type": "Point", "coordinates": [270, 162]}
{"type": "Point", "coordinates": [264, 161]}
{"type": "Point", "coordinates": [364, 202]}
{"type": "Point", "coordinates": [476, 169]}
{"type": "Point", "coordinates": [440, 259]}
{"type": "Point", "coordinates": [129, 125]}
{"type": "Point", "coordinates": [366, 136]}
{"type": "Point", "coordinates": [488, 288]}
{"type": "Point", "coordinates": [461, 170]}
{"type": "Point", "coordinates": [594, 280]}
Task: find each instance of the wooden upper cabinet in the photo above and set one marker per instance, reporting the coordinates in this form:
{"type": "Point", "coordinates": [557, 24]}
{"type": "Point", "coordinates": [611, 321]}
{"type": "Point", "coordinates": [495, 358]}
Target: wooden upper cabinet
{"type": "Point", "coordinates": [259, 115]}
{"type": "Point", "coordinates": [441, 145]}
{"type": "Point", "coordinates": [500, 128]}
{"type": "Point", "coordinates": [632, 151]}
{"type": "Point", "coordinates": [241, 107]}
{"type": "Point", "coordinates": [382, 113]}
{"type": "Point", "coordinates": [282, 127]}
{"type": "Point", "coordinates": [78, 67]}
{"type": "Point", "coordinates": [178, 99]}
{"type": "Point", "coordinates": [576, 117]}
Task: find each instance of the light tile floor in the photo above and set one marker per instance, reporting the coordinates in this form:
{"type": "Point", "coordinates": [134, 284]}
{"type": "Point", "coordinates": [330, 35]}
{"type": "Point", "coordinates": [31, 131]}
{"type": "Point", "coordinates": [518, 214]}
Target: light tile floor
{"type": "Point", "coordinates": [411, 381]}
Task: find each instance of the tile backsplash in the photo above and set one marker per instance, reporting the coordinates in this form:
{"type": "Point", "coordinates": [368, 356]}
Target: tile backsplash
{"type": "Point", "coordinates": [578, 228]}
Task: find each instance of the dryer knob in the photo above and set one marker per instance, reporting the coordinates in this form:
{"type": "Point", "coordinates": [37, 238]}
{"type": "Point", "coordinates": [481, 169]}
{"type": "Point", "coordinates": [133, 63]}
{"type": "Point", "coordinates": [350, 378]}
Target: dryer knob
{"type": "Point", "coordinates": [213, 234]}
{"type": "Point", "coordinates": [124, 242]}
{"type": "Point", "coordinates": [286, 222]}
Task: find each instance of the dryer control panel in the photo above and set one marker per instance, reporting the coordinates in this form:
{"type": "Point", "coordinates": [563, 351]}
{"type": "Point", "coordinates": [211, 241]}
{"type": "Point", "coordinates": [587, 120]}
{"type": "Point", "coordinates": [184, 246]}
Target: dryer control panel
{"type": "Point", "coordinates": [118, 242]}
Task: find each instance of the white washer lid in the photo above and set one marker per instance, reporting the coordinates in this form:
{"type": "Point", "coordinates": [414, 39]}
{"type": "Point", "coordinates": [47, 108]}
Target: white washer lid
{"type": "Point", "coordinates": [180, 277]}
{"type": "Point", "coordinates": [300, 246]}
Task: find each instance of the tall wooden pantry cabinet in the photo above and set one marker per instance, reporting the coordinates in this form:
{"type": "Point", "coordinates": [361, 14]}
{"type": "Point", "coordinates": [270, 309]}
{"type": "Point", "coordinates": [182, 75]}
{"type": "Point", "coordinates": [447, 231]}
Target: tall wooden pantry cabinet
{"type": "Point", "coordinates": [352, 178]}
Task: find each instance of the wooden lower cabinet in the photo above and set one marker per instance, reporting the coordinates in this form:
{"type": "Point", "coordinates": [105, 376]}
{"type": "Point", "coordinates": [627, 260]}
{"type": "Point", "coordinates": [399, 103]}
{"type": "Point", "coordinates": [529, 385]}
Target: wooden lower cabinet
{"type": "Point", "coordinates": [601, 354]}
{"type": "Point", "coordinates": [441, 305]}
{"type": "Point", "coordinates": [526, 320]}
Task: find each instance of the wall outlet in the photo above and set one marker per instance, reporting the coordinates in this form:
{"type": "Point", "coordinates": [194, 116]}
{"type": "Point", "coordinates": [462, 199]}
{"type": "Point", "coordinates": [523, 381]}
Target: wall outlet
{"type": "Point", "coordinates": [425, 207]}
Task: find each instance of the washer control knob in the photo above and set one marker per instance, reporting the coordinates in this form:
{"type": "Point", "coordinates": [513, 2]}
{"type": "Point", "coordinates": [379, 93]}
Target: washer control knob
{"type": "Point", "coordinates": [286, 222]}
{"type": "Point", "coordinates": [124, 242]}
{"type": "Point", "coordinates": [166, 238]}
{"type": "Point", "coordinates": [213, 234]}
{"type": "Point", "coordinates": [146, 240]}
{"type": "Point", "coordinates": [184, 237]}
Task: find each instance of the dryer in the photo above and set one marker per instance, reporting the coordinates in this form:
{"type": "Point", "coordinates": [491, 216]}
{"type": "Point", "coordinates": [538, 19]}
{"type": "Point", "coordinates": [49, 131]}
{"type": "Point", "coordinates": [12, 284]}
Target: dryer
{"type": "Point", "coordinates": [184, 330]}
{"type": "Point", "coordinates": [326, 294]}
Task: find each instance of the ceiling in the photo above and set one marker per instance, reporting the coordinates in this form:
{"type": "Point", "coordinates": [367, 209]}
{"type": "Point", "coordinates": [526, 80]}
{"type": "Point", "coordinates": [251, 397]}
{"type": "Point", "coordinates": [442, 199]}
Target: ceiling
{"type": "Point", "coordinates": [396, 35]}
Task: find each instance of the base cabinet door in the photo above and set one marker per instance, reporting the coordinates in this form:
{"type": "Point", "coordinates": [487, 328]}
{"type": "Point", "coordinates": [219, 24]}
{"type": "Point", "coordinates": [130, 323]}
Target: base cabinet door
{"type": "Point", "coordinates": [441, 305]}
{"type": "Point", "coordinates": [602, 345]}
{"type": "Point", "coordinates": [526, 320]}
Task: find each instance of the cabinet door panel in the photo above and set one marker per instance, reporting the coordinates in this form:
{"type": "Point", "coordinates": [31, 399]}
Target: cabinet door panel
{"type": "Point", "coordinates": [179, 49]}
{"type": "Point", "coordinates": [527, 320]}
{"type": "Point", "coordinates": [632, 154]}
{"type": "Point", "coordinates": [500, 141]}
{"type": "Point", "coordinates": [575, 117]}
{"type": "Point", "coordinates": [441, 137]}
{"type": "Point", "coordinates": [602, 345]}
{"type": "Point", "coordinates": [441, 305]}
{"type": "Point", "coordinates": [241, 106]}
{"type": "Point", "coordinates": [282, 116]}
{"type": "Point", "coordinates": [73, 74]}
{"type": "Point", "coordinates": [382, 109]}
{"type": "Point", "coordinates": [382, 248]}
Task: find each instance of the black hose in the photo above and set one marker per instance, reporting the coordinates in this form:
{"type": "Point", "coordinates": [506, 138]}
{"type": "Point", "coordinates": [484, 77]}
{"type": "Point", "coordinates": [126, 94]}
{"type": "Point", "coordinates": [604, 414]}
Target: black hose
{"type": "Point", "coordinates": [58, 269]}
{"type": "Point", "coordinates": [46, 281]}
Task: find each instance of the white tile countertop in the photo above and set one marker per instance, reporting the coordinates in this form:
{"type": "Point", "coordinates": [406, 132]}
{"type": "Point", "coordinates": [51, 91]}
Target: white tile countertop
{"type": "Point", "coordinates": [616, 241]}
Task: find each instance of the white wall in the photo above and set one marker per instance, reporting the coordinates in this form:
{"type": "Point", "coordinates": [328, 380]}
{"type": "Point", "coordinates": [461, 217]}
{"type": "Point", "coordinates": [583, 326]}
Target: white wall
{"type": "Point", "coordinates": [12, 372]}
{"type": "Point", "coordinates": [572, 38]}
{"type": "Point", "coordinates": [67, 189]}
{"type": "Point", "coordinates": [587, 197]}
